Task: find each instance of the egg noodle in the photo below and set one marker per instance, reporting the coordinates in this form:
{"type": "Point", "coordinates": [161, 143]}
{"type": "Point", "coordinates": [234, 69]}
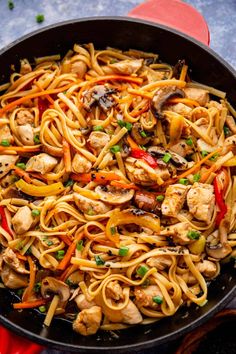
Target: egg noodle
{"type": "Point", "coordinates": [118, 198]}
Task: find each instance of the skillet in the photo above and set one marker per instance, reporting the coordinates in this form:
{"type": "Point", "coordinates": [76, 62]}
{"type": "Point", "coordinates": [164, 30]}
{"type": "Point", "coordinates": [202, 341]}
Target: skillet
{"type": "Point", "coordinates": [206, 67]}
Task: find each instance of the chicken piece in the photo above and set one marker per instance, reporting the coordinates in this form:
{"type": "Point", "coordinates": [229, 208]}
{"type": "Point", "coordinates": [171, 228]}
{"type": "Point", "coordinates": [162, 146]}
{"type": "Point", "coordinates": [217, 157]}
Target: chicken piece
{"type": "Point", "coordinates": [10, 258]}
{"type": "Point", "coordinates": [182, 148]}
{"type": "Point", "coordinates": [79, 68]}
{"type": "Point", "coordinates": [203, 124]}
{"type": "Point", "coordinates": [201, 201]}
{"type": "Point", "coordinates": [88, 321]}
{"type": "Point", "coordinates": [83, 303]}
{"type": "Point", "coordinates": [127, 67]}
{"type": "Point", "coordinates": [230, 121]}
{"type": "Point", "coordinates": [207, 268]}
{"type": "Point", "coordinates": [25, 67]}
{"type": "Point", "coordinates": [131, 314]}
{"type": "Point", "coordinates": [174, 199]}
{"type": "Point", "coordinates": [215, 104]}
{"type": "Point", "coordinates": [179, 108]}
{"type": "Point", "coordinates": [114, 291]}
{"type": "Point", "coordinates": [141, 173]}
{"type": "Point", "coordinates": [144, 296]}
{"type": "Point", "coordinates": [196, 94]}
{"type": "Point", "coordinates": [80, 164]}
{"type": "Point", "coordinates": [11, 279]}
{"type": "Point", "coordinates": [5, 133]}
{"type": "Point", "coordinates": [22, 220]}
{"type": "Point", "coordinates": [42, 163]}
{"type": "Point", "coordinates": [89, 206]}
{"type": "Point", "coordinates": [6, 162]}
{"type": "Point", "coordinates": [179, 233]}
{"type": "Point", "coordinates": [24, 116]}
{"type": "Point", "coordinates": [97, 140]}
{"type": "Point", "coordinates": [26, 134]}
{"type": "Point", "coordinates": [160, 262]}
{"type": "Point", "coordinates": [203, 146]}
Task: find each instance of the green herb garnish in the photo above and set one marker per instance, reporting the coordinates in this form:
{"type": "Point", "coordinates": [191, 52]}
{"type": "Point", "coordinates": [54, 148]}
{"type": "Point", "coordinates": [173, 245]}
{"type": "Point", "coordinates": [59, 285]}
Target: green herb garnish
{"type": "Point", "coordinates": [79, 245]}
{"type": "Point", "coordinates": [99, 260]}
{"type": "Point", "coordinates": [157, 299]}
{"type": "Point", "coordinates": [21, 165]}
{"type": "Point", "coordinates": [35, 212]}
{"type": "Point", "coordinates": [183, 181]}
{"type": "Point", "coordinates": [39, 18]}
{"type": "Point", "coordinates": [113, 230]}
{"type": "Point", "coordinates": [69, 183]}
{"type": "Point", "coordinates": [226, 130]}
{"type": "Point", "coordinates": [214, 157]}
{"type": "Point", "coordinates": [42, 309]}
{"type": "Point", "coordinates": [98, 128]}
{"type": "Point", "coordinates": [5, 142]}
{"type": "Point", "coordinates": [36, 139]}
{"type": "Point", "coordinates": [60, 254]}
{"type": "Point", "coordinates": [123, 251]}
{"type": "Point", "coordinates": [142, 270]}
{"type": "Point", "coordinates": [49, 243]}
{"type": "Point", "coordinates": [189, 141]}
{"type": "Point", "coordinates": [37, 287]}
{"type": "Point", "coordinates": [166, 158]}
{"type": "Point", "coordinates": [160, 198]}
{"type": "Point", "coordinates": [204, 153]}
{"type": "Point", "coordinates": [123, 124]}
{"type": "Point", "coordinates": [196, 177]}
{"type": "Point", "coordinates": [114, 149]}
{"type": "Point", "coordinates": [143, 134]}
{"type": "Point", "coordinates": [193, 235]}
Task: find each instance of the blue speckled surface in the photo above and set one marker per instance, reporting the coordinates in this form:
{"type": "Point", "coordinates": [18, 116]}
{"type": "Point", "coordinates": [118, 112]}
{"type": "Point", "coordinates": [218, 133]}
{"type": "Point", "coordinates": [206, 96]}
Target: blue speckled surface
{"type": "Point", "coordinates": [219, 14]}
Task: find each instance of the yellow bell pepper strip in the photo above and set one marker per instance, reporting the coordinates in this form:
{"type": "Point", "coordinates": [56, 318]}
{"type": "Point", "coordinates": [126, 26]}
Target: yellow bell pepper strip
{"type": "Point", "coordinates": [130, 216]}
{"type": "Point", "coordinates": [231, 162]}
{"type": "Point", "coordinates": [39, 191]}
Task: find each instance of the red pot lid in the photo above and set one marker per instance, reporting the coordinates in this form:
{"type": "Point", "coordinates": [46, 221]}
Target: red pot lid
{"type": "Point", "coordinates": [175, 14]}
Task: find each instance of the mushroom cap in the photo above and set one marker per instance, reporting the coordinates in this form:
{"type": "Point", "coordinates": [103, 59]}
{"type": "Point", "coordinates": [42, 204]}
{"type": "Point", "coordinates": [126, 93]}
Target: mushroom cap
{"type": "Point", "coordinates": [113, 195]}
{"type": "Point", "coordinates": [179, 162]}
{"type": "Point", "coordinates": [55, 286]}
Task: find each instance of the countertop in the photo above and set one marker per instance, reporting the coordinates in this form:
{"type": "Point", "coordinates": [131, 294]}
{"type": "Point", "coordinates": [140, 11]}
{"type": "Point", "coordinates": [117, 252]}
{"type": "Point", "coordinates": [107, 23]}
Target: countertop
{"type": "Point", "coordinates": [219, 14]}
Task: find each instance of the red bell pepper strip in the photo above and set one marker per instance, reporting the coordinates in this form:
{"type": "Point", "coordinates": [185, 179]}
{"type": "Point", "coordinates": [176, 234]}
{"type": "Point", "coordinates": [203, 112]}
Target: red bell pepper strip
{"type": "Point", "coordinates": [4, 222]}
{"type": "Point", "coordinates": [220, 202]}
{"type": "Point", "coordinates": [42, 106]}
{"type": "Point", "coordinates": [141, 154]}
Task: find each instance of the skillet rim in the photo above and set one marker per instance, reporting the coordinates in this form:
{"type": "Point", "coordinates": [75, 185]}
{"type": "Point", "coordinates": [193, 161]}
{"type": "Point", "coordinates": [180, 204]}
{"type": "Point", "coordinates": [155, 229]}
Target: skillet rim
{"type": "Point", "coordinates": [184, 329]}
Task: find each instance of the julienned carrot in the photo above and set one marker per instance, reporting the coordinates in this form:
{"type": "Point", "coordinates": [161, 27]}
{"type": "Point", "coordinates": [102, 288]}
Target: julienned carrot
{"type": "Point", "coordinates": [20, 149]}
{"type": "Point", "coordinates": [29, 304]}
{"type": "Point", "coordinates": [132, 143]}
{"type": "Point", "coordinates": [21, 256]}
{"type": "Point", "coordinates": [30, 288]}
{"type": "Point", "coordinates": [124, 185]}
{"type": "Point", "coordinates": [21, 173]}
{"type": "Point", "coordinates": [136, 80]}
{"type": "Point", "coordinates": [49, 98]}
{"type": "Point", "coordinates": [71, 249]}
{"type": "Point", "coordinates": [67, 272]}
{"type": "Point", "coordinates": [186, 101]}
{"type": "Point", "coordinates": [65, 239]}
{"type": "Point", "coordinates": [135, 113]}
{"type": "Point", "coordinates": [205, 176]}
{"type": "Point", "coordinates": [66, 155]}
{"type": "Point", "coordinates": [33, 95]}
{"type": "Point", "coordinates": [99, 177]}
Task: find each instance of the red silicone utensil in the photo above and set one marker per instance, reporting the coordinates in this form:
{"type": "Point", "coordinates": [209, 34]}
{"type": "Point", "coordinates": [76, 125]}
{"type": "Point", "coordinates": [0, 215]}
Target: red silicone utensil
{"type": "Point", "coordinates": [175, 14]}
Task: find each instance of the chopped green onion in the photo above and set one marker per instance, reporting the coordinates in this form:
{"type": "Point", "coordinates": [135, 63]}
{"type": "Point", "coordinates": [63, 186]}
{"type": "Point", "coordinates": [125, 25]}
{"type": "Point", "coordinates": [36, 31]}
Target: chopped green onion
{"type": "Point", "coordinates": [166, 158]}
{"type": "Point", "coordinates": [39, 18]}
{"type": "Point", "coordinates": [37, 287]}
{"type": "Point", "coordinates": [196, 177]}
{"type": "Point", "coordinates": [11, 5]}
{"type": "Point", "coordinates": [193, 235]}
{"type": "Point", "coordinates": [189, 141]}
{"type": "Point", "coordinates": [145, 283]}
{"type": "Point", "coordinates": [143, 134]}
{"type": "Point", "coordinates": [226, 130]}
{"type": "Point", "coordinates": [5, 142]}
{"type": "Point", "coordinates": [98, 128]}
{"type": "Point", "coordinates": [71, 284]}
{"type": "Point", "coordinates": [36, 139]}
{"type": "Point", "coordinates": [99, 260]}
{"type": "Point", "coordinates": [42, 309]}
{"type": "Point", "coordinates": [114, 149]}
{"type": "Point", "coordinates": [21, 165]}
{"type": "Point", "coordinates": [214, 157]}
{"type": "Point", "coordinates": [113, 61]}
{"type": "Point", "coordinates": [60, 254]}
{"type": "Point", "coordinates": [28, 251]}
{"type": "Point", "coordinates": [204, 153]}
{"type": "Point", "coordinates": [90, 211]}
{"type": "Point", "coordinates": [143, 147]}
{"type": "Point", "coordinates": [183, 181]}
{"type": "Point", "coordinates": [49, 243]}
{"type": "Point", "coordinates": [113, 230]}
{"type": "Point", "coordinates": [160, 198]}
{"type": "Point", "coordinates": [157, 299]}
{"type": "Point", "coordinates": [123, 251]}
{"type": "Point", "coordinates": [20, 292]}
{"type": "Point", "coordinates": [35, 212]}
{"type": "Point", "coordinates": [127, 125]}
{"type": "Point", "coordinates": [69, 183]}
{"type": "Point", "coordinates": [79, 245]}
{"type": "Point", "coordinates": [142, 270]}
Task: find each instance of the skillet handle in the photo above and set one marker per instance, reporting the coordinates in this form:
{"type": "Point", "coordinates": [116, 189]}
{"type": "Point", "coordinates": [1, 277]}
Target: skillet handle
{"type": "Point", "coordinates": [175, 14]}
{"type": "Point", "coordinates": [10, 343]}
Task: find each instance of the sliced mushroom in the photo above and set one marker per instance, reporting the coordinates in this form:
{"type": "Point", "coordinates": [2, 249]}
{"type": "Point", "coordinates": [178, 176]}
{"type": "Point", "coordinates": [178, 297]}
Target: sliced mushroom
{"type": "Point", "coordinates": [147, 201]}
{"type": "Point", "coordinates": [176, 160]}
{"type": "Point", "coordinates": [52, 285]}
{"type": "Point", "coordinates": [136, 134]}
{"type": "Point", "coordinates": [113, 195]}
{"type": "Point", "coordinates": [222, 249]}
{"type": "Point", "coordinates": [11, 279]}
{"type": "Point", "coordinates": [100, 94]}
{"type": "Point", "coordinates": [161, 96]}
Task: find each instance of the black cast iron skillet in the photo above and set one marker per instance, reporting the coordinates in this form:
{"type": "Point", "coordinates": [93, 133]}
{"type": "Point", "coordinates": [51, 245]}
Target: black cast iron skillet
{"type": "Point", "coordinates": [206, 67]}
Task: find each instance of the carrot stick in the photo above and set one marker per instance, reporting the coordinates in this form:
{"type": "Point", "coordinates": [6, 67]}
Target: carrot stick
{"type": "Point", "coordinates": [205, 176]}
{"type": "Point", "coordinates": [66, 155]}
{"type": "Point", "coordinates": [20, 148]}
{"type": "Point", "coordinates": [33, 95]}
{"type": "Point", "coordinates": [135, 113]}
{"type": "Point", "coordinates": [65, 239]}
{"type": "Point", "coordinates": [132, 143]}
{"type": "Point", "coordinates": [29, 304]}
{"type": "Point", "coordinates": [67, 272]}
{"type": "Point", "coordinates": [136, 80]}
{"type": "Point", "coordinates": [30, 288]}
{"type": "Point", "coordinates": [186, 101]}
{"type": "Point", "coordinates": [21, 257]}
{"type": "Point", "coordinates": [99, 177]}
{"type": "Point", "coordinates": [21, 173]}
{"type": "Point", "coordinates": [49, 98]}
{"type": "Point", "coordinates": [124, 185]}
{"type": "Point", "coordinates": [71, 249]}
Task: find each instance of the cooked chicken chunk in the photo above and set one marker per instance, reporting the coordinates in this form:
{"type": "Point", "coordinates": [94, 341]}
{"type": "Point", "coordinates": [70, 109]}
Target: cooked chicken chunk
{"type": "Point", "coordinates": [114, 290]}
{"type": "Point", "coordinates": [203, 146]}
{"type": "Point", "coordinates": [160, 262]}
{"type": "Point", "coordinates": [179, 233]}
{"type": "Point", "coordinates": [97, 140]}
{"type": "Point", "coordinates": [141, 173]}
{"type": "Point", "coordinates": [144, 296]}
{"type": "Point", "coordinates": [174, 199]}
{"type": "Point", "coordinates": [42, 163]}
{"type": "Point", "coordinates": [22, 220]}
{"type": "Point", "coordinates": [11, 259]}
{"type": "Point", "coordinates": [80, 164]}
{"type": "Point", "coordinates": [127, 67]}
{"type": "Point", "coordinates": [201, 201]}
{"type": "Point", "coordinates": [24, 116]}
{"type": "Point", "coordinates": [131, 314]}
{"type": "Point", "coordinates": [203, 125]}
{"type": "Point", "coordinates": [6, 162]}
{"type": "Point", "coordinates": [88, 321]}
{"type": "Point", "coordinates": [89, 206]}
{"type": "Point", "coordinates": [83, 303]}
{"type": "Point", "coordinates": [182, 148]}
{"type": "Point", "coordinates": [207, 268]}
{"type": "Point", "coordinates": [5, 133]}
{"type": "Point", "coordinates": [230, 121]}
{"type": "Point", "coordinates": [11, 279]}
{"type": "Point", "coordinates": [79, 68]}
{"type": "Point", "coordinates": [26, 134]}
{"type": "Point", "coordinates": [196, 94]}
{"type": "Point", "coordinates": [179, 108]}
